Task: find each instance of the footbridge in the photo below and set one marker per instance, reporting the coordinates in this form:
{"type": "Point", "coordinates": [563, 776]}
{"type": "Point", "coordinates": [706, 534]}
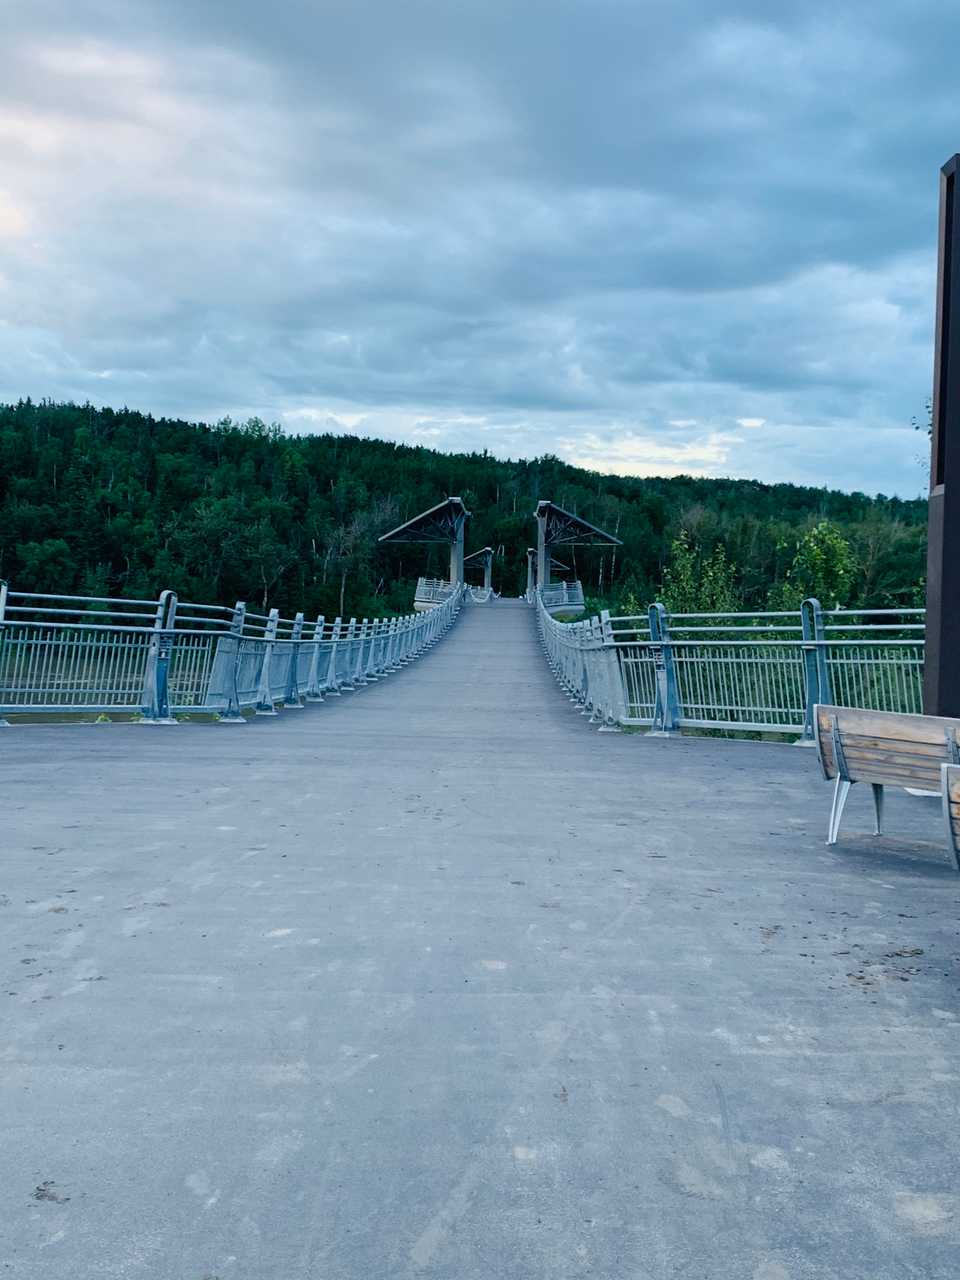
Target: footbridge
{"type": "Point", "coordinates": [431, 979]}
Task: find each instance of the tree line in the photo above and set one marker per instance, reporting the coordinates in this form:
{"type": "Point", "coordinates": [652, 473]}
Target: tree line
{"type": "Point", "coordinates": [115, 502]}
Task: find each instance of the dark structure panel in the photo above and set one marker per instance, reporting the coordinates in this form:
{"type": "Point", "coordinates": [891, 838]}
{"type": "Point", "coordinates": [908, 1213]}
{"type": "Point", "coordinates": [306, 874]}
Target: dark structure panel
{"type": "Point", "coordinates": [441, 523]}
{"type": "Point", "coordinates": [941, 687]}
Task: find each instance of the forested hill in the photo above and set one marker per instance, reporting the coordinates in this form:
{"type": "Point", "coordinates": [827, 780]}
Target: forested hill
{"type": "Point", "coordinates": [114, 502]}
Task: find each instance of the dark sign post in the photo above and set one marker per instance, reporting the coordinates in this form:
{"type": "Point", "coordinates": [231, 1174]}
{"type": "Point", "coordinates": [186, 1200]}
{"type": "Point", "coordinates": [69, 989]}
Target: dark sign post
{"type": "Point", "coordinates": [941, 680]}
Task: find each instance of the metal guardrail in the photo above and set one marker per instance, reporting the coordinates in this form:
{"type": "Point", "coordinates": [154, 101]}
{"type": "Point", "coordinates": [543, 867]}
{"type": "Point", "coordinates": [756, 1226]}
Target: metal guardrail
{"type": "Point", "coordinates": [65, 654]}
{"type": "Point", "coordinates": [762, 672]}
{"type": "Point", "coordinates": [562, 595]}
{"type": "Point", "coordinates": [433, 591]}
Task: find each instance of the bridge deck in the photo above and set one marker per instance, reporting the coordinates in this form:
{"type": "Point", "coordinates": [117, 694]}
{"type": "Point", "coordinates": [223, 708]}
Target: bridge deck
{"type": "Point", "coordinates": [434, 981]}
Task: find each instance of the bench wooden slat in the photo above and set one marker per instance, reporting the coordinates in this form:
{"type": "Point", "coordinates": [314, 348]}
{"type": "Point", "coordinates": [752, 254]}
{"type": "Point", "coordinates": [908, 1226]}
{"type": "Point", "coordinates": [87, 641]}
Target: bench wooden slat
{"type": "Point", "coordinates": [874, 770]}
{"type": "Point", "coordinates": [854, 751]}
{"type": "Point", "coordinates": [930, 750]}
{"type": "Point", "coordinates": [883, 774]}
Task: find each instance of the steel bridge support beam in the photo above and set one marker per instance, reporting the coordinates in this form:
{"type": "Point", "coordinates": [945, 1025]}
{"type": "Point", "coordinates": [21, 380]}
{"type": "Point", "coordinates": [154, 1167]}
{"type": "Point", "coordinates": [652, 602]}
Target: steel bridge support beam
{"type": "Point", "coordinates": [543, 553]}
{"type": "Point", "coordinates": [456, 557]}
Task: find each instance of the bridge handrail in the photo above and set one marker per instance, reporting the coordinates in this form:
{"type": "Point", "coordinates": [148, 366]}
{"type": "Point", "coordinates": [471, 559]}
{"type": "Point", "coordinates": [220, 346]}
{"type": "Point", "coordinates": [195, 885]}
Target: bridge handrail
{"type": "Point", "coordinates": [560, 594]}
{"type": "Point", "coordinates": [165, 657]}
{"type": "Point", "coordinates": [431, 591]}
{"type": "Point", "coordinates": [761, 671]}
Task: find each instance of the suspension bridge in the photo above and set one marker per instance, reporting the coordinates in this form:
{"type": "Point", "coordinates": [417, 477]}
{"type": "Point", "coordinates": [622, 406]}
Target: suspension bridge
{"type": "Point", "coordinates": [432, 979]}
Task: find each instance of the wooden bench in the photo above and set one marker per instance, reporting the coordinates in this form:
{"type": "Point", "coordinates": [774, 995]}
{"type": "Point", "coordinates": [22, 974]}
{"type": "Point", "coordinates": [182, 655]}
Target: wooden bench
{"type": "Point", "coordinates": [886, 749]}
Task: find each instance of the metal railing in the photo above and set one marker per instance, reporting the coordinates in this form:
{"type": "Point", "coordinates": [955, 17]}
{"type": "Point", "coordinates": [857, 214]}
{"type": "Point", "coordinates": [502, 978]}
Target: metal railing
{"type": "Point", "coordinates": [562, 595]}
{"type": "Point", "coordinates": [762, 672]}
{"type": "Point", "coordinates": [433, 591]}
{"type": "Point", "coordinates": [163, 657]}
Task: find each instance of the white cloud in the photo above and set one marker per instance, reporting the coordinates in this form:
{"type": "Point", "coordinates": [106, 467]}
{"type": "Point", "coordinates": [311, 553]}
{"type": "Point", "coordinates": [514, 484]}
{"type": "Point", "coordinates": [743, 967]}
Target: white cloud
{"type": "Point", "coordinates": [322, 419]}
{"type": "Point", "coordinates": [637, 455]}
{"type": "Point", "coordinates": [226, 216]}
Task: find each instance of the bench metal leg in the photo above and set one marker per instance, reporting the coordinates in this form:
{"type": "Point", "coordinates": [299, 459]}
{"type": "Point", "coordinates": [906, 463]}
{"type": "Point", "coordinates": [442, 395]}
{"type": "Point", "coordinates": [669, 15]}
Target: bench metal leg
{"type": "Point", "coordinates": [878, 807]}
{"type": "Point", "coordinates": [840, 793]}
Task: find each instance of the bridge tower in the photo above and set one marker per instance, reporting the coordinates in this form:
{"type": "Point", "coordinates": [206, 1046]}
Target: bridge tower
{"type": "Point", "coordinates": [443, 523]}
{"type": "Point", "coordinates": [484, 558]}
{"type": "Point", "coordinates": [556, 528]}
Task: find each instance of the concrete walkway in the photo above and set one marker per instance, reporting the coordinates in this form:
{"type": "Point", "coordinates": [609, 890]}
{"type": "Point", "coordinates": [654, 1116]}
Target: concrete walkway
{"type": "Point", "coordinates": [436, 981]}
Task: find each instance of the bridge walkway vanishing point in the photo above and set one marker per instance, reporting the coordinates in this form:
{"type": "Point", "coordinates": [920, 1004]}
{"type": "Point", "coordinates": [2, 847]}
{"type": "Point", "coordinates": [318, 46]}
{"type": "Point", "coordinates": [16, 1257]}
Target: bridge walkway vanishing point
{"type": "Point", "coordinates": [436, 981]}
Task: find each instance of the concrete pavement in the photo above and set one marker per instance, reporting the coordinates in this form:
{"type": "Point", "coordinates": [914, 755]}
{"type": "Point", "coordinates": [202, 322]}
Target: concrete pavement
{"type": "Point", "coordinates": [435, 981]}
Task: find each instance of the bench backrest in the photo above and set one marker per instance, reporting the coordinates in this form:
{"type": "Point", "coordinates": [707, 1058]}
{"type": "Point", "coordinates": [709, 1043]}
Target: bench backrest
{"type": "Point", "coordinates": [885, 747]}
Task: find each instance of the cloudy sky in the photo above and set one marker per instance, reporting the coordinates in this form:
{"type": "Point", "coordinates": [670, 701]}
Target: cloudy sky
{"type": "Point", "coordinates": [649, 237]}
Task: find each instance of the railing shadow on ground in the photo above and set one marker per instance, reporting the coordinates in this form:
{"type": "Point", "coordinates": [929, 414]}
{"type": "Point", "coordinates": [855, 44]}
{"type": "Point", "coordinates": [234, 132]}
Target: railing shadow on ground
{"type": "Point", "coordinates": [758, 673]}
{"type": "Point", "coordinates": [160, 658]}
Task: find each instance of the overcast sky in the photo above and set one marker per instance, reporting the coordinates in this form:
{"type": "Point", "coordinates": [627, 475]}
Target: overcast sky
{"type": "Point", "coordinates": [649, 237]}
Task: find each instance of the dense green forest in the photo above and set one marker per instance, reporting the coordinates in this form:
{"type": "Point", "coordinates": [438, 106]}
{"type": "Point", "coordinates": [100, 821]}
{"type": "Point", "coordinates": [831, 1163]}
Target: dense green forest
{"type": "Point", "coordinates": [115, 502]}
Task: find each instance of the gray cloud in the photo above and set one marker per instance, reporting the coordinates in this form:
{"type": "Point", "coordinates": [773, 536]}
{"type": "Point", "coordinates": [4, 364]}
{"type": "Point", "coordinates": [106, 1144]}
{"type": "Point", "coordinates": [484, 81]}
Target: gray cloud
{"type": "Point", "coordinates": [557, 226]}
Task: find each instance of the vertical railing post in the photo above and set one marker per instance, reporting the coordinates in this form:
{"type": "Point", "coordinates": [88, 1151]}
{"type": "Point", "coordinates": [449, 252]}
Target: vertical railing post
{"type": "Point", "coordinates": [370, 662]}
{"type": "Point", "coordinates": [809, 609]}
{"type": "Point", "coordinates": [591, 640]}
{"type": "Point", "coordinates": [3, 631]}
{"type": "Point", "coordinates": [823, 658]}
{"type": "Point", "coordinates": [265, 705]}
{"type": "Point", "coordinates": [291, 698]}
{"type": "Point", "coordinates": [666, 712]}
{"type": "Point", "coordinates": [384, 646]}
{"type": "Point", "coordinates": [314, 692]}
{"type": "Point", "coordinates": [349, 683]}
{"type": "Point", "coordinates": [225, 676]}
{"type": "Point", "coordinates": [591, 679]}
{"type": "Point", "coordinates": [816, 667]}
{"type": "Point", "coordinates": [359, 671]}
{"type": "Point", "coordinates": [331, 685]}
{"type": "Point", "coordinates": [376, 645]}
{"type": "Point", "coordinates": [390, 661]}
{"type": "Point", "coordinates": [615, 711]}
{"type": "Point", "coordinates": [370, 666]}
{"type": "Point", "coordinates": [155, 698]}
{"type": "Point", "coordinates": [602, 676]}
